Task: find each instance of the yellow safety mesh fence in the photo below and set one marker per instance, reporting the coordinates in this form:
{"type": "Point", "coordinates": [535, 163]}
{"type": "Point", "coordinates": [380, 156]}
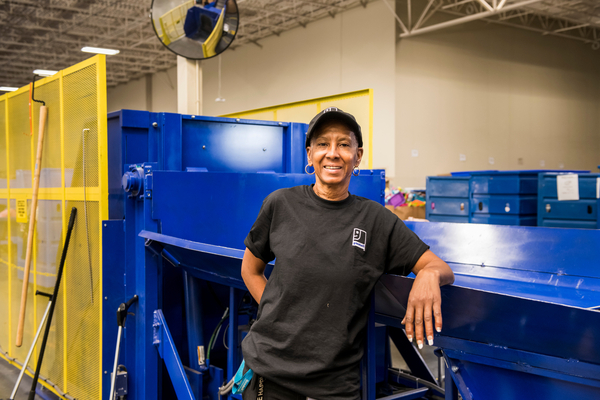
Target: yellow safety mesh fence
{"type": "Point", "coordinates": [75, 139]}
{"type": "Point", "coordinates": [358, 103]}
{"type": "Point", "coordinates": [19, 141]}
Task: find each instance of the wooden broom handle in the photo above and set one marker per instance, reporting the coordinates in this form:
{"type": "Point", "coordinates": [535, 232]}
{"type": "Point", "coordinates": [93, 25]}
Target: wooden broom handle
{"type": "Point", "coordinates": [32, 216]}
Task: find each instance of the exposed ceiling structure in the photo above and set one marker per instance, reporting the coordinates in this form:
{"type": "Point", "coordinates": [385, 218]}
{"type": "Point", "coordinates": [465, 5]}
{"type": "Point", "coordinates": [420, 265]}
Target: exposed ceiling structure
{"type": "Point", "coordinates": [573, 19]}
{"type": "Point", "coordinates": [50, 34]}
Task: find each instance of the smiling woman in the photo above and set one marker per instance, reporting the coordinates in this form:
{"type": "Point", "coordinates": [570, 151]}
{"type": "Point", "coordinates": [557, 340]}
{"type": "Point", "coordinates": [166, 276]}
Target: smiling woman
{"type": "Point", "coordinates": [331, 248]}
{"type": "Point", "coordinates": [334, 152]}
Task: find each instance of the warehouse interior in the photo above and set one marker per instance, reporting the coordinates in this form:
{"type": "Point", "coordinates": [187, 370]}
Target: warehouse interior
{"type": "Point", "coordinates": [144, 170]}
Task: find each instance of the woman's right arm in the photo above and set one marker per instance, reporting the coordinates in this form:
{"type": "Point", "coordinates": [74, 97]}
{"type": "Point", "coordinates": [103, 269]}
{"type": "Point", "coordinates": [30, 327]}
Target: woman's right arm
{"type": "Point", "coordinates": [253, 274]}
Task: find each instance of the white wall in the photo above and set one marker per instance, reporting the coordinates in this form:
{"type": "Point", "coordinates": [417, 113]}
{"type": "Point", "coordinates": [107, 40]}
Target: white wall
{"type": "Point", "coordinates": [131, 95]}
{"type": "Point", "coordinates": [478, 89]}
{"type": "Point", "coordinates": [156, 93]}
{"type": "Point", "coordinates": [492, 91]}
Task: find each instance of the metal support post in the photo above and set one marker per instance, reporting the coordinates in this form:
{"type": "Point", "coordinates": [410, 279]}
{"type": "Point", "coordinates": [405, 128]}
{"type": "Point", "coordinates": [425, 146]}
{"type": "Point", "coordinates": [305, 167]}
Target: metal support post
{"type": "Point", "coordinates": [450, 387]}
{"type": "Point", "coordinates": [233, 360]}
{"type": "Point", "coordinates": [194, 324]}
{"type": "Point", "coordinates": [369, 362]}
{"type": "Point", "coordinates": [165, 345]}
{"type": "Point", "coordinates": [146, 275]}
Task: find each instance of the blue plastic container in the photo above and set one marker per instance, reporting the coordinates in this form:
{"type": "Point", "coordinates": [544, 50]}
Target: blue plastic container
{"type": "Point", "coordinates": [582, 213]}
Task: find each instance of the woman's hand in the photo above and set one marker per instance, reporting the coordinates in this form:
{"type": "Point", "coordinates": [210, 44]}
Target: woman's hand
{"type": "Point", "coordinates": [425, 301]}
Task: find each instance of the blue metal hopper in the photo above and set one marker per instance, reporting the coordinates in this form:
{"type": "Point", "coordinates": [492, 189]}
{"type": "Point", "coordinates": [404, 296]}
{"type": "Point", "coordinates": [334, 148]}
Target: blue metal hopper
{"type": "Point", "coordinates": [520, 320]}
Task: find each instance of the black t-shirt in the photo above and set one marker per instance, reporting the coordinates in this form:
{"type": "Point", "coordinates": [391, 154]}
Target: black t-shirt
{"type": "Point", "coordinates": [308, 336]}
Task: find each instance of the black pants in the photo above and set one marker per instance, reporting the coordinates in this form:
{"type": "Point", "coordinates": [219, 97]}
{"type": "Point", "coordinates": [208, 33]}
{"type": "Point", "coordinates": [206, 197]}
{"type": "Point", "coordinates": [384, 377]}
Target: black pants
{"type": "Point", "coordinates": [260, 388]}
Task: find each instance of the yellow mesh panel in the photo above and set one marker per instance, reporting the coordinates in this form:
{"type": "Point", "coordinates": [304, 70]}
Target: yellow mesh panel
{"type": "Point", "coordinates": [49, 244]}
{"type": "Point", "coordinates": [50, 94]}
{"type": "Point", "coordinates": [81, 105]}
{"type": "Point", "coordinates": [4, 278]}
{"type": "Point", "coordinates": [83, 329]}
{"type": "Point", "coordinates": [19, 137]}
{"type": "Point", "coordinates": [18, 237]}
{"type": "Point", "coordinates": [76, 101]}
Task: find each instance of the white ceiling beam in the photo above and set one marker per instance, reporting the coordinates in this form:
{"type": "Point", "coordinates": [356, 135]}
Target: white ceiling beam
{"type": "Point", "coordinates": [463, 20]}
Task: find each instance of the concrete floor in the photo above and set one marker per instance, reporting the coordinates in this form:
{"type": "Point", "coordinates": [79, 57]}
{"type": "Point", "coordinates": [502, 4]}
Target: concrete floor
{"type": "Point", "coordinates": [8, 379]}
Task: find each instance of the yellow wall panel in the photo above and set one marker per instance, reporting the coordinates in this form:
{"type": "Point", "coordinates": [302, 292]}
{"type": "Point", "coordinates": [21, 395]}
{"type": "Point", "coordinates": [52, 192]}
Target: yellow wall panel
{"type": "Point", "coordinates": [20, 141]}
{"type": "Point", "coordinates": [301, 113]}
{"type": "Point", "coordinates": [51, 171]}
{"type": "Point", "coordinates": [261, 115]}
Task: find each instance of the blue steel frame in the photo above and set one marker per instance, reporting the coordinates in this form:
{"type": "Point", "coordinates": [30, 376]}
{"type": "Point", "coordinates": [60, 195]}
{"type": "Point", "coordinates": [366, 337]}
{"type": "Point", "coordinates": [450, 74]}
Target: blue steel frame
{"type": "Point", "coordinates": [163, 341]}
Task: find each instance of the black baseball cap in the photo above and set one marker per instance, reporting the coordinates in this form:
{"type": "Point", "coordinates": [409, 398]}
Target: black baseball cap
{"type": "Point", "coordinates": [334, 114]}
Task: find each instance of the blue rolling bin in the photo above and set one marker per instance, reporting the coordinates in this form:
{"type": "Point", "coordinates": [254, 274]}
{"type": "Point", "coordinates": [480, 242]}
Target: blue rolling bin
{"type": "Point", "coordinates": [447, 199]}
{"type": "Point", "coordinates": [503, 198]}
{"type": "Point", "coordinates": [582, 213]}
{"type": "Point", "coordinates": [485, 197]}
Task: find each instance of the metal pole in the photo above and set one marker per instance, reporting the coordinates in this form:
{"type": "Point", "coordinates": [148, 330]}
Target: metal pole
{"type": "Point", "coordinates": [121, 317]}
{"type": "Point", "coordinates": [114, 374]}
{"type": "Point", "coordinates": [420, 21]}
{"type": "Point", "coordinates": [486, 5]}
{"type": "Point", "coordinates": [87, 230]}
{"type": "Point", "coordinates": [469, 18]}
{"type": "Point", "coordinates": [37, 335]}
{"type": "Point", "coordinates": [402, 26]}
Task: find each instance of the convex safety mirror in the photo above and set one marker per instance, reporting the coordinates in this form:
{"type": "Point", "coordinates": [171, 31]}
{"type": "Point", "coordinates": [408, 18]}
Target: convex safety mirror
{"type": "Point", "coordinates": [195, 29]}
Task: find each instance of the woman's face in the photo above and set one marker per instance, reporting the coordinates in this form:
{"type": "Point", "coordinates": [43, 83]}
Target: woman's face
{"type": "Point", "coordinates": [334, 153]}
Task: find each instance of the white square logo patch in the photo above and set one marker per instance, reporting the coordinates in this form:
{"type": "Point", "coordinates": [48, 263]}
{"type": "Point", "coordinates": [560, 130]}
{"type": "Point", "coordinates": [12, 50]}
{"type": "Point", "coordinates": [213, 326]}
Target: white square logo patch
{"type": "Point", "coordinates": [359, 238]}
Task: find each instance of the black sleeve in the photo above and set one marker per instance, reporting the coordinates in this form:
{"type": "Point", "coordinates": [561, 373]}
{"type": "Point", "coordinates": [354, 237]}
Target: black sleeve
{"type": "Point", "coordinates": [404, 249]}
{"type": "Point", "coordinates": [257, 240]}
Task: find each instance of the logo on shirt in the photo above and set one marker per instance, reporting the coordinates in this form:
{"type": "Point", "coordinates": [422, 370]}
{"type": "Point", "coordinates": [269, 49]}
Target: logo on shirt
{"type": "Point", "coordinates": [359, 238]}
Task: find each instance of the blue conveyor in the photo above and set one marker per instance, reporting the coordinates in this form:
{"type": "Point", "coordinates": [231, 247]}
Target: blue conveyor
{"type": "Point", "coordinates": [521, 320]}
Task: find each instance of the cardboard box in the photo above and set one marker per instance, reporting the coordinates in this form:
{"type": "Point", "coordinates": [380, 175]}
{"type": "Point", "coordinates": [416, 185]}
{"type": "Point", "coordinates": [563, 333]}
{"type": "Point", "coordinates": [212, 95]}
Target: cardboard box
{"type": "Point", "coordinates": [406, 212]}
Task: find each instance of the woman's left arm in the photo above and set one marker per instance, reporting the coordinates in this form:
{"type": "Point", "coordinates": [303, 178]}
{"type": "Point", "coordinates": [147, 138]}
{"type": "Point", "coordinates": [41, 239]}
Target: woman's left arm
{"type": "Point", "coordinates": [425, 300]}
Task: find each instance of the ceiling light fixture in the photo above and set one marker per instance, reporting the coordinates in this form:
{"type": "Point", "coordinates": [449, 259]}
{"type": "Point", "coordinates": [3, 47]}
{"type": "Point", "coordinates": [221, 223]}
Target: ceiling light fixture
{"type": "Point", "coordinates": [98, 50]}
{"type": "Point", "coordinates": [44, 72]}
{"type": "Point", "coordinates": [8, 89]}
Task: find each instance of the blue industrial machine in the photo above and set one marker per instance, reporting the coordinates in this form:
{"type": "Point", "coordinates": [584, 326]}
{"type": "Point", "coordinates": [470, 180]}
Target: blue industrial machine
{"type": "Point", "coordinates": [582, 213]}
{"type": "Point", "coordinates": [184, 192]}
